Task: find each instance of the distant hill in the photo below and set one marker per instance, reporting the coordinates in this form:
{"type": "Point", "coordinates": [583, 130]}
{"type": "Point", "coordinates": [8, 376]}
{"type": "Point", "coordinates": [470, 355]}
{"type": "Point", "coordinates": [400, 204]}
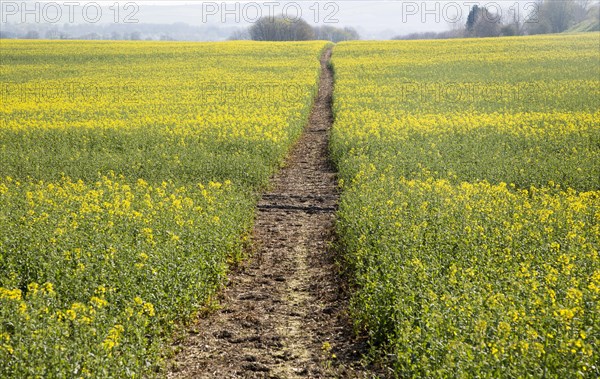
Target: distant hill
{"type": "Point", "coordinates": [590, 24]}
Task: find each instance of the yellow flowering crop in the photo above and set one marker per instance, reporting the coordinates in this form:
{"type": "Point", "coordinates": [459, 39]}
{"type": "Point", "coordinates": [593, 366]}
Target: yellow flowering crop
{"type": "Point", "coordinates": [471, 206]}
{"type": "Point", "coordinates": [127, 184]}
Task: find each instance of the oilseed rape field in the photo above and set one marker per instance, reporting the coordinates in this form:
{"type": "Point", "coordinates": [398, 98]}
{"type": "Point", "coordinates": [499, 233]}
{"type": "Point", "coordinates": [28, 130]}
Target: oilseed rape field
{"type": "Point", "coordinates": [470, 212]}
{"type": "Point", "coordinates": [128, 180]}
{"type": "Point", "coordinates": [468, 224]}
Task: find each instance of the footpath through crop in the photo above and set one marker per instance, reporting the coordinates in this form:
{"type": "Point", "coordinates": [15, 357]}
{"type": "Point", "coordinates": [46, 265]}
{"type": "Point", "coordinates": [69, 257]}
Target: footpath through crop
{"type": "Point", "coordinates": [283, 316]}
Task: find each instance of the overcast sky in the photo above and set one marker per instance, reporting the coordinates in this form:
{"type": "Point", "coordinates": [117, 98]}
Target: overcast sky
{"type": "Point", "coordinates": [374, 19]}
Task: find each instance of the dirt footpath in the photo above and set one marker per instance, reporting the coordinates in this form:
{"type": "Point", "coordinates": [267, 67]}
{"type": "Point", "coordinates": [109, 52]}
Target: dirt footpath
{"type": "Point", "coordinates": [284, 314]}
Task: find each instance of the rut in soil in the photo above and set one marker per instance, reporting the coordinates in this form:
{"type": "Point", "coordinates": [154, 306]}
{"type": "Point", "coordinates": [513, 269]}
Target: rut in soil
{"type": "Point", "coordinates": [284, 314]}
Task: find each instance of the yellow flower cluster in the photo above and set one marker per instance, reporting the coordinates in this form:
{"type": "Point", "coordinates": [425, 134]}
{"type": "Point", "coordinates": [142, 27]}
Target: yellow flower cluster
{"type": "Point", "coordinates": [155, 111]}
{"type": "Point", "coordinates": [112, 339]}
{"type": "Point", "coordinates": [483, 114]}
{"type": "Point", "coordinates": [471, 205]}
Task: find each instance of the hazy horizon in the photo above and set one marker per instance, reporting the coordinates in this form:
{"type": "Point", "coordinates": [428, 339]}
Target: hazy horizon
{"type": "Point", "coordinates": [379, 19]}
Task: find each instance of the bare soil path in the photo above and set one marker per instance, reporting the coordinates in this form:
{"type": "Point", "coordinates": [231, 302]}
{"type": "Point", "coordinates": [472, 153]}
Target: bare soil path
{"type": "Point", "coordinates": [283, 315]}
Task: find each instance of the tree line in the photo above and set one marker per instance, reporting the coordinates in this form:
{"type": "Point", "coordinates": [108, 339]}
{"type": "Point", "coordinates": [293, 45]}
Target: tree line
{"type": "Point", "coordinates": [547, 16]}
{"type": "Point", "coordinates": [281, 28]}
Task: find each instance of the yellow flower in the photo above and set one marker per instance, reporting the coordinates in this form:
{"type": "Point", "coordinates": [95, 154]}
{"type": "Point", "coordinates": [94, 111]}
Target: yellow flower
{"type": "Point", "coordinates": [14, 294]}
{"type": "Point", "coordinates": [112, 339]}
{"type": "Point", "coordinates": [98, 302]}
{"type": "Point", "coordinates": [149, 309]}
{"type": "Point", "coordinates": [71, 315]}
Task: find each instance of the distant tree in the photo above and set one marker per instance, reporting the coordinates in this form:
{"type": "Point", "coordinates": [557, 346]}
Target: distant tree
{"type": "Point", "coordinates": [559, 14]}
{"type": "Point", "coordinates": [240, 35]}
{"type": "Point", "coordinates": [280, 28]}
{"type": "Point", "coordinates": [473, 16]}
{"type": "Point", "coordinates": [418, 35]}
{"type": "Point", "coordinates": [554, 16]}
{"type": "Point", "coordinates": [91, 36]}
{"type": "Point", "coordinates": [351, 33]}
{"type": "Point", "coordinates": [580, 10]}
{"type": "Point", "coordinates": [509, 30]}
{"type": "Point", "coordinates": [52, 34]}
{"type": "Point", "coordinates": [482, 23]}
{"type": "Point", "coordinates": [331, 33]}
{"type": "Point", "coordinates": [456, 33]}
{"type": "Point", "coordinates": [32, 34]}
{"type": "Point", "coordinates": [513, 21]}
{"type": "Point", "coordinates": [5, 34]}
